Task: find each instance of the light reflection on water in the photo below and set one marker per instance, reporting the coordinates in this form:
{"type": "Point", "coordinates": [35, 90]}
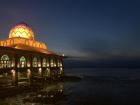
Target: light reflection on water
{"type": "Point", "coordinates": [97, 87]}
{"type": "Point", "coordinates": [53, 91]}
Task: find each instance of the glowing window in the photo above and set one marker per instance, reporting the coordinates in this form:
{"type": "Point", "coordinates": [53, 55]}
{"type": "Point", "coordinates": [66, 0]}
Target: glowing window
{"type": "Point", "coordinates": [22, 62]}
{"type": "Point", "coordinates": [5, 61]}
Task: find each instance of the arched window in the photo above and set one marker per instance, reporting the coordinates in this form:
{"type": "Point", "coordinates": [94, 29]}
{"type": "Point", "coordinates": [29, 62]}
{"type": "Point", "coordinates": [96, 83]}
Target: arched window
{"type": "Point", "coordinates": [48, 62]}
{"type": "Point", "coordinates": [28, 62]}
{"type": "Point", "coordinates": [39, 62]}
{"type": "Point", "coordinates": [5, 61]}
{"type": "Point", "coordinates": [44, 62]}
{"type": "Point", "coordinates": [2, 43]}
{"type": "Point", "coordinates": [5, 43]}
{"type": "Point", "coordinates": [22, 62]}
{"type": "Point", "coordinates": [11, 41]}
{"type": "Point", "coordinates": [34, 44]}
{"type": "Point", "coordinates": [13, 62]}
{"type": "Point", "coordinates": [58, 62]}
{"type": "Point", "coordinates": [34, 62]}
{"type": "Point", "coordinates": [61, 71]}
{"type": "Point", "coordinates": [8, 42]}
{"type": "Point", "coordinates": [37, 44]}
{"type": "Point", "coordinates": [51, 62]}
{"type": "Point", "coordinates": [40, 45]}
{"type": "Point", "coordinates": [27, 42]}
{"type": "Point", "coordinates": [54, 62]}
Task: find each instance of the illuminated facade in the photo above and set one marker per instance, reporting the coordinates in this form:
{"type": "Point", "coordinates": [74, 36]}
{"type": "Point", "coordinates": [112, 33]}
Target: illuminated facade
{"type": "Point", "coordinates": [21, 56]}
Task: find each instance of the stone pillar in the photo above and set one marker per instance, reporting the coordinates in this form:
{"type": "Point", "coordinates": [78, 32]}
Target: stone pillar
{"type": "Point", "coordinates": [31, 70]}
{"type": "Point", "coordinates": [61, 68]}
{"type": "Point", "coordinates": [41, 67]}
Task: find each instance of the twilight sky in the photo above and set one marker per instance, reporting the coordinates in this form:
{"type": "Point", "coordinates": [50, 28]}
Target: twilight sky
{"type": "Point", "coordinates": [89, 29]}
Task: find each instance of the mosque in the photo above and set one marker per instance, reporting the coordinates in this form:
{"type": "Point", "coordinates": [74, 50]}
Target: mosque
{"type": "Point", "coordinates": [24, 58]}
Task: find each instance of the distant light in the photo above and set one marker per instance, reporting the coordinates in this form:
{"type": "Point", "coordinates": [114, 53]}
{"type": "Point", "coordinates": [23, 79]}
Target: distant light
{"type": "Point", "coordinates": [51, 96]}
{"type": "Point", "coordinates": [40, 69]}
{"type": "Point", "coordinates": [63, 55]}
{"type": "Point", "coordinates": [13, 71]}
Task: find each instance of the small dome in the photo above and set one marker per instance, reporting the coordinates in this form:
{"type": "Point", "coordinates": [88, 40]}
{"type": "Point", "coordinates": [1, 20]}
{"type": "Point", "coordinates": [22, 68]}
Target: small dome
{"type": "Point", "coordinates": [21, 30]}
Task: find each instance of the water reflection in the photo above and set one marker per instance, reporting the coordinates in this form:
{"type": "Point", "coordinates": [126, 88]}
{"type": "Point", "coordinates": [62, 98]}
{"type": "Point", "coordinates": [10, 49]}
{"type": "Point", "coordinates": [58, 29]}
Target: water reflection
{"type": "Point", "coordinates": [51, 94]}
{"type": "Point", "coordinates": [97, 87]}
{"type": "Point", "coordinates": [47, 95]}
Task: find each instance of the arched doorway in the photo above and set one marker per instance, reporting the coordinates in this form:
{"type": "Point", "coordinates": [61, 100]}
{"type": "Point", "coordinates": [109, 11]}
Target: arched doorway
{"type": "Point", "coordinates": [44, 62]}
{"type": "Point", "coordinates": [51, 62]}
{"type": "Point", "coordinates": [22, 62]}
{"type": "Point", "coordinates": [34, 62]}
{"type": "Point", "coordinates": [5, 62]}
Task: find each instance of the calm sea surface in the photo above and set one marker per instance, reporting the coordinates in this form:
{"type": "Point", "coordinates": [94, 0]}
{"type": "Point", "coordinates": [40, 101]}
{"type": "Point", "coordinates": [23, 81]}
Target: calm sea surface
{"type": "Point", "coordinates": [104, 86]}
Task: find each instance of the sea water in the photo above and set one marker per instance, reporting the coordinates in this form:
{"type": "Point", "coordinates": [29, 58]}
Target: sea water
{"type": "Point", "coordinates": [98, 86]}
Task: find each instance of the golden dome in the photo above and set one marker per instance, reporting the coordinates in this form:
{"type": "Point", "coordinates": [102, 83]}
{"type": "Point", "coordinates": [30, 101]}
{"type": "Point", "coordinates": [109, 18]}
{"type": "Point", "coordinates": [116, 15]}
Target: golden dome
{"type": "Point", "coordinates": [21, 30]}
